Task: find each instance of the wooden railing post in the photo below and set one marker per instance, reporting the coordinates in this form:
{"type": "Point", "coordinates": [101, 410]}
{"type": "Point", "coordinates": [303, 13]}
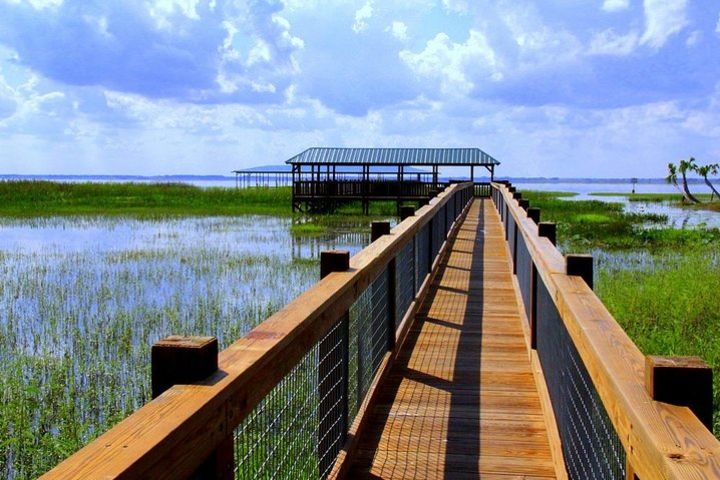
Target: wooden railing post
{"type": "Point", "coordinates": [406, 211]}
{"type": "Point", "coordinates": [580, 265]}
{"type": "Point", "coordinates": [548, 230]}
{"type": "Point", "coordinates": [184, 360]}
{"type": "Point", "coordinates": [524, 203]}
{"type": "Point", "coordinates": [685, 381]}
{"type": "Point", "coordinates": [378, 229]}
{"type": "Point", "coordinates": [330, 357]}
{"type": "Point", "coordinates": [533, 214]}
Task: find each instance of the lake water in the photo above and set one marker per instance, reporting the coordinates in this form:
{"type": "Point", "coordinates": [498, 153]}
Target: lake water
{"type": "Point", "coordinates": [677, 217]}
{"type": "Point", "coordinates": [83, 299]}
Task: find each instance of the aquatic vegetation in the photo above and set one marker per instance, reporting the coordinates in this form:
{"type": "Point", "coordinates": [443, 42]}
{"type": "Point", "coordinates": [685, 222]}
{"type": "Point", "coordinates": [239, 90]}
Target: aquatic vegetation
{"type": "Point", "coordinates": [42, 198]}
{"type": "Point", "coordinates": [84, 298]}
{"type": "Point", "coordinates": [584, 225]}
{"type": "Point", "coordinates": [667, 302]}
{"type": "Point", "coordinates": [660, 283]}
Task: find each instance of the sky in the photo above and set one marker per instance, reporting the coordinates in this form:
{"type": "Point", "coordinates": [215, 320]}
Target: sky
{"type": "Point", "coordinates": [556, 88]}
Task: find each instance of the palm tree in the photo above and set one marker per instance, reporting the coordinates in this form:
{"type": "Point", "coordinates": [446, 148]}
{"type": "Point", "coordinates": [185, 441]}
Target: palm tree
{"type": "Point", "coordinates": [672, 178]}
{"type": "Point", "coordinates": [706, 170]}
{"type": "Point", "coordinates": [684, 167]}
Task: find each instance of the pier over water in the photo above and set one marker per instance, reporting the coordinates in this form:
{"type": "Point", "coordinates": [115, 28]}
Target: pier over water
{"type": "Point", "coordinates": [459, 344]}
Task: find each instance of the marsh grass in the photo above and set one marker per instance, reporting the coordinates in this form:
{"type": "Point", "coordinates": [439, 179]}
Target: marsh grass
{"type": "Point", "coordinates": [43, 198]}
{"type": "Point", "coordinates": [586, 224]}
{"type": "Point", "coordinates": [661, 284]}
{"type": "Point", "coordinates": [709, 202]}
{"type": "Point", "coordinates": [84, 298]}
{"type": "Point", "coordinates": [668, 304]}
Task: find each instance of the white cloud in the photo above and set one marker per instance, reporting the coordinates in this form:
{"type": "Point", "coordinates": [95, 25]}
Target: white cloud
{"type": "Point", "coordinates": [38, 4]}
{"type": "Point", "coordinates": [663, 18]}
{"type": "Point", "coordinates": [398, 30]}
{"type": "Point", "coordinates": [460, 6]}
{"type": "Point", "coordinates": [610, 43]}
{"type": "Point", "coordinates": [615, 5]}
{"type": "Point", "coordinates": [456, 65]}
{"type": "Point", "coordinates": [694, 38]}
{"type": "Point", "coordinates": [538, 44]}
{"type": "Point", "coordinates": [163, 10]}
{"type": "Point", "coordinates": [361, 15]}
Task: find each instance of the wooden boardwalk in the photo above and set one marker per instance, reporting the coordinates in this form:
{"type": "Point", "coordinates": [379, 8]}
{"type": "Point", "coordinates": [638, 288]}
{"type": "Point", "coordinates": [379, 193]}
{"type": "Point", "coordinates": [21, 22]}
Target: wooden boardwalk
{"type": "Point", "coordinates": [460, 400]}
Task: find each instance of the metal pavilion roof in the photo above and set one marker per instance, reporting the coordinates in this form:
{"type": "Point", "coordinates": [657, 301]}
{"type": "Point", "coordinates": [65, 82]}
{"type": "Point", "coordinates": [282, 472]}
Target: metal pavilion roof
{"type": "Point", "coordinates": [393, 156]}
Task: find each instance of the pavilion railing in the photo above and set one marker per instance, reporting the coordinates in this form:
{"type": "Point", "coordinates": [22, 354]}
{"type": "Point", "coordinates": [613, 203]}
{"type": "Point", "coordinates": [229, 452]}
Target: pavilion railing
{"type": "Point", "coordinates": [358, 189]}
{"type": "Point", "coordinates": [602, 389]}
{"type": "Point", "coordinates": [289, 398]}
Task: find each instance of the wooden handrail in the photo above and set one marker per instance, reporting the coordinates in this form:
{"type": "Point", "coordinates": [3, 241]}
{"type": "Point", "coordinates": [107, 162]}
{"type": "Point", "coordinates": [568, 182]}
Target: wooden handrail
{"type": "Point", "coordinates": [179, 429]}
{"type": "Point", "coordinates": [661, 441]}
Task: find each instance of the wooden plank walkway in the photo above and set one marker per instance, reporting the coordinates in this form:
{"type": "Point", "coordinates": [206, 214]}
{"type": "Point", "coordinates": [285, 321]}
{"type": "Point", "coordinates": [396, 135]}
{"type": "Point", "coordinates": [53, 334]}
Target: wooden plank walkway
{"type": "Point", "coordinates": [460, 401]}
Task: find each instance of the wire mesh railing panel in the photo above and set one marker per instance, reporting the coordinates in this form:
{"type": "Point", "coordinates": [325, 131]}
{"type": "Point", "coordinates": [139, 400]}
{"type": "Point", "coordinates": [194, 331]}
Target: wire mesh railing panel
{"type": "Point", "coordinates": [422, 255]}
{"type": "Point", "coordinates": [297, 430]}
{"type": "Point", "coordinates": [591, 446]}
{"type": "Point", "coordinates": [379, 322]}
{"type": "Point", "coordinates": [448, 218]}
{"type": "Point", "coordinates": [511, 238]}
{"type": "Point", "coordinates": [404, 280]}
{"type": "Point", "coordinates": [371, 313]}
{"type": "Point", "coordinates": [437, 235]}
{"type": "Point", "coordinates": [524, 270]}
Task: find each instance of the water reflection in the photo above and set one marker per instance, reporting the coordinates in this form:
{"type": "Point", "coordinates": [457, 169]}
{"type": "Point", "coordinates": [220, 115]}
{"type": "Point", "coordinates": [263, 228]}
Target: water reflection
{"type": "Point", "coordinates": [676, 217]}
{"type": "Point", "coordinates": [83, 299]}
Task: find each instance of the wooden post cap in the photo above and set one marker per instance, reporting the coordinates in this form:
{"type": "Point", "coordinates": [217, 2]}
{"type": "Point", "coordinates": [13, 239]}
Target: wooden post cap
{"type": "Point", "coordinates": [684, 381]}
{"type": "Point", "coordinates": [517, 195]}
{"type": "Point", "coordinates": [378, 229]}
{"type": "Point", "coordinates": [334, 261]}
{"type": "Point", "coordinates": [524, 204]}
{"type": "Point", "coordinates": [580, 265]}
{"type": "Point", "coordinates": [533, 214]}
{"type": "Point", "coordinates": [182, 360]}
{"type": "Point", "coordinates": [548, 230]}
{"type": "Point", "coordinates": [511, 189]}
{"type": "Point", "coordinates": [406, 211]}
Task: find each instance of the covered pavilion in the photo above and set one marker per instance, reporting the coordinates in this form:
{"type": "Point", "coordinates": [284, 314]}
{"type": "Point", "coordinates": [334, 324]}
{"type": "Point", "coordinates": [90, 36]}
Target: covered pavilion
{"type": "Point", "coordinates": [326, 177]}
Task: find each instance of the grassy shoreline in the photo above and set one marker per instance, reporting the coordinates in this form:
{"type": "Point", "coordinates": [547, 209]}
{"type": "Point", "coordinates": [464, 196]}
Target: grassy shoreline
{"type": "Point", "coordinates": [24, 199]}
{"type": "Point", "coordinates": [673, 198]}
{"type": "Point", "coordinates": [659, 283]}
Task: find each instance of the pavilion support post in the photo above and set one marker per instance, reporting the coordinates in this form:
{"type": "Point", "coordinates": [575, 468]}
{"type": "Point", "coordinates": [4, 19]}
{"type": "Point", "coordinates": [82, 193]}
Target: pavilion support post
{"type": "Point", "coordinates": [400, 174]}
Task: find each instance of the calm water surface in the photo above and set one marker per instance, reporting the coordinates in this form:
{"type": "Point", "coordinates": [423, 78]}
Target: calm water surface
{"type": "Point", "coordinates": [677, 217]}
{"type": "Point", "coordinates": [83, 299]}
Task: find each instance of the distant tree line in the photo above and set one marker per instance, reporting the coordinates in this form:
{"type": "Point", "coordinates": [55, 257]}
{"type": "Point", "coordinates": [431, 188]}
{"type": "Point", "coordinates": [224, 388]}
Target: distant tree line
{"type": "Point", "coordinates": [690, 165]}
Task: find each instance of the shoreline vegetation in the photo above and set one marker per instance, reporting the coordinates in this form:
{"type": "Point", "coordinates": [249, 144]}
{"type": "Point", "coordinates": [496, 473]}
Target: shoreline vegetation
{"type": "Point", "coordinates": [660, 283]}
{"type": "Point", "coordinates": [709, 202]}
{"type": "Point", "coordinates": [38, 198]}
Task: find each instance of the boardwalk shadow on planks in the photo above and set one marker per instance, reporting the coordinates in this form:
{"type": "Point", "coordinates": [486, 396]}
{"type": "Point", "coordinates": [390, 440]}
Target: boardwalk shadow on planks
{"type": "Point", "coordinates": [456, 430]}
